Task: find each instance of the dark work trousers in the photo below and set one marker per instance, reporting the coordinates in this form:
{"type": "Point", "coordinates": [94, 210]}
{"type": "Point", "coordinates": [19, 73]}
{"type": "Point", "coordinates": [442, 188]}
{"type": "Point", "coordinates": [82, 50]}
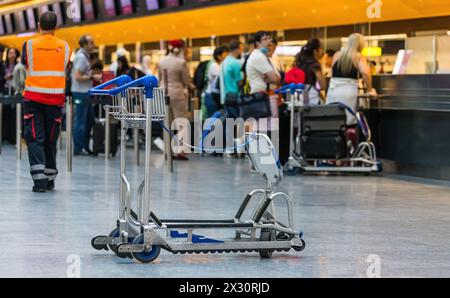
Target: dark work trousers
{"type": "Point", "coordinates": [41, 131]}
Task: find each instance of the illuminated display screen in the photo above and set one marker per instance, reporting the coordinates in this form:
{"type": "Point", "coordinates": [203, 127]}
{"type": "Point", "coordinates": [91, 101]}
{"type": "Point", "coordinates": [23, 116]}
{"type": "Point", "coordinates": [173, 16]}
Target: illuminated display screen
{"type": "Point", "coordinates": [171, 3]}
{"type": "Point", "coordinates": [89, 12]}
{"type": "Point", "coordinates": [31, 19]}
{"type": "Point", "coordinates": [20, 21]}
{"type": "Point", "coordinates": [8, 24]}
{"type": "Point", "coordinates": [110, 8]}
{"type": "Point", "coordinates": [2, 28]}
{"type": "Point", "coordinates": [152, 4]}
{"type": "Point", "coordinates": [57, 9]}
{"type": "Point", "coordinates": [43, 8]}
{"type": "Point", "coordinates": [127, 7]}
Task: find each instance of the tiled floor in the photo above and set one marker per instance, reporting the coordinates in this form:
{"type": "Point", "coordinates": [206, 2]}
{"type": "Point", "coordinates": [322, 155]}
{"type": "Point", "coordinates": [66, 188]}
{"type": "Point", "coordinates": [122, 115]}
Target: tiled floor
{"type": "Point", "coordinates": [345, 219]}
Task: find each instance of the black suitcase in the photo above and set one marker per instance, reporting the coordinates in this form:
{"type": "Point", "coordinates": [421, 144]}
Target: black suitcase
{"type": "Point", "coordinates": [329, 145]}
{"type": "Point", "coordinates": [99, 138]}
{"type": "Point", "coordinates": [323, 129]}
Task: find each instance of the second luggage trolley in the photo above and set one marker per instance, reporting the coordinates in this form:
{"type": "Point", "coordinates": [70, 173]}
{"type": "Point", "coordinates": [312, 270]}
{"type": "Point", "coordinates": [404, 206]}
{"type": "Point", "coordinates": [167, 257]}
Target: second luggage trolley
{"type": "Point", "coordinates": [141, 235]}
{"type": "Point", "coordinates": [360, 159]}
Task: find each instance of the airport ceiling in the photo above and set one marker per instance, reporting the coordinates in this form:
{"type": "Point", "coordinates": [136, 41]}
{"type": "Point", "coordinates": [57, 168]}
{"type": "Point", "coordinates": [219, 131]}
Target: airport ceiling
{"type": "Point", "coordinates": [248, 17]}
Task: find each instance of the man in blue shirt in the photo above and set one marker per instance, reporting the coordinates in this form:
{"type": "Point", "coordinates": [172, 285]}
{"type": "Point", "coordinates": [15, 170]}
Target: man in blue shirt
{"type": "Point", "coordinates": [231, 79]}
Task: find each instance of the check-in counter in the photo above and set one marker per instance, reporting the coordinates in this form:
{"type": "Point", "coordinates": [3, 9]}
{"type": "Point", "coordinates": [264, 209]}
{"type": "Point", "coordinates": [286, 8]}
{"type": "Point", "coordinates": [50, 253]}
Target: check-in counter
{"type": "Point", "coordinates": [411, 124]}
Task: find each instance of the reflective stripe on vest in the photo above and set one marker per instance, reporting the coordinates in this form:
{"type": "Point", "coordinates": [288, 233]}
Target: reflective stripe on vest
{"type": "Point", "coordinates": [45, 90]}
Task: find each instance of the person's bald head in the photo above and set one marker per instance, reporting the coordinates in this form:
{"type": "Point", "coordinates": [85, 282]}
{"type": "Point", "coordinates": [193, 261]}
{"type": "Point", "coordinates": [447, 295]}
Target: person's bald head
{"type": "Point", "coordinates": [48, 21]}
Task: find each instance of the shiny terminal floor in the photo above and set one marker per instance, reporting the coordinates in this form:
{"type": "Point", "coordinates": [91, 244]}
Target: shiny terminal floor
{"type": "Point", "coordinates": [346, 221]}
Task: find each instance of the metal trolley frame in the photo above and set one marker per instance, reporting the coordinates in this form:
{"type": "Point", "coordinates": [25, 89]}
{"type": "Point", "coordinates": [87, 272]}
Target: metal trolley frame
{"type": "Point", "coordinates": [141, 235]}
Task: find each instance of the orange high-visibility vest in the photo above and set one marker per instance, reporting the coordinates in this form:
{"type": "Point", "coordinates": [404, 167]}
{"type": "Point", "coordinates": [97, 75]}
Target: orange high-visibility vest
{"type": "Point", "coordinates": [47, 60]}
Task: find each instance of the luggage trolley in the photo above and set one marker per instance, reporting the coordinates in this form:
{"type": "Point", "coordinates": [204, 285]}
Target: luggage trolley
{"type": "Point", "coordinates": [359, 159]}
{"type": "Point", "coordinates": [142, 236]}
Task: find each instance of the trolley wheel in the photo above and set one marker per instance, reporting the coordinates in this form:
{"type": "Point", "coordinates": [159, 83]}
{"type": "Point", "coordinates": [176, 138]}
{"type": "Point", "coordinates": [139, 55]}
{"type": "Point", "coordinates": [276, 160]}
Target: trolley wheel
{"type": "Point", "coordinates": [116, 234]}
{"type": "Point", "coordinates": [267, 235]}
{"type": "Point", "coordinates": [294, 171]}
{"type": "Point", "coordinates": [379, 166]}
{"type": "Point", "coordinates": [146, 256]}
{"type": "Point", "coordinates": [300, 248]}
{"type": "Point", "coordinates": [98, 246]}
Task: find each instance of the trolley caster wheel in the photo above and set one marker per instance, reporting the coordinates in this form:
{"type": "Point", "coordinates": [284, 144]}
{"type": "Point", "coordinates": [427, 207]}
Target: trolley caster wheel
{"type": "Point", "coordinates": [294, 171]}
{"type": "Point", "coordinates": [146, 256]}
{"type": "Point", "coordinates": [300, 248]}
{"type": "Point", "coordinates": [379, 166]}
{"type": "Point", "coordinates": [116, 234]}
{"type": "Point", "coordinates": [99, 246]}
{"type": "Point", "coordinates": [267, 235]}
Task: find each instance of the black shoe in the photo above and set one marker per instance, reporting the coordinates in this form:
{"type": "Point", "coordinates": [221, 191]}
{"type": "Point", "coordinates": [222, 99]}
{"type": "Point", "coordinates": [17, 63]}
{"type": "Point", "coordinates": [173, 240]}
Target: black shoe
{"type": "Point", "coordinates": [51, 185]}
{"type": "Point", "coordinates": [39, 189]}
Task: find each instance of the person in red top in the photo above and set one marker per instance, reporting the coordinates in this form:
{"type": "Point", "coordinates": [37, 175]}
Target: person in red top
{"type": "Point", "coordinates": [295, 75]}
{"type": "Point", "coordinates": [46, 59]}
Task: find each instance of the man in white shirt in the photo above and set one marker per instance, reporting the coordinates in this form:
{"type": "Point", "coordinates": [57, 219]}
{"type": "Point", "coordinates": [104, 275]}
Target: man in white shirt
{"type": "Point", "coordinates": [260, 74]}
{"type": "Point", "coordinates": [260, 71]}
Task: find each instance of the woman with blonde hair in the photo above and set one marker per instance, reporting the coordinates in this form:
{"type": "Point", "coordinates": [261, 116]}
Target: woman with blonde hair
{"type": "Point", "coordinates": [348, 67]}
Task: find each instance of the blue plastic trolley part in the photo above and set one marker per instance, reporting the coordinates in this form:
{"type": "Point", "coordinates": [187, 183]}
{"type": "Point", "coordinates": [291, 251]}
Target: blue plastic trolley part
{"type": "Point", "coordinates": [195, 238]}
{"type": "Point", "coordinates": [290, 88]}
{"type": "Point", "coordinates": [123, 83]}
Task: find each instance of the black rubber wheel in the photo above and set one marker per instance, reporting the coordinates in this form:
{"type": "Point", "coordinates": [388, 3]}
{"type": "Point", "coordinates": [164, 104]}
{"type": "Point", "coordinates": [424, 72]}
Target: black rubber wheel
{"type": "Point", "coordinates": [300, 248]}
{"type": "Point", "coordinates": [293, 171]}
{"type": "Point", "coordinates": [146, 256]}
{"type": "Point", "coordinates": [267, 235]}
{"type": "Point", "coordinates": [99, 246]}
{"type": "Point", "coordinates": [116, 234]}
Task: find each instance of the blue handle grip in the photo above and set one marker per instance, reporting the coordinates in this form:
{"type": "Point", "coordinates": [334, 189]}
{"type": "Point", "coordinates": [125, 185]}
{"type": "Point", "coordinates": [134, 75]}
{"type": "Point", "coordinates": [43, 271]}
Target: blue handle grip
{"type": "Point", "coordinates": [290, 88]}
{"type": "Point", "coordinates": [119, 81]}
{"type": "Point", "coordinates": [148, 82]}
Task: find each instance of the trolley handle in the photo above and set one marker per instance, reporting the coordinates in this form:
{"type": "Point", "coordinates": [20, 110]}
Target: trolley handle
{"type": "Point", "coordinates": [149, 82]}
{"type": "Point", "coordinates": [360, 118]}
{"type": "Point", "coordinates": [290, 88]}
{"type": "Point", "coordinates": [98, 90]}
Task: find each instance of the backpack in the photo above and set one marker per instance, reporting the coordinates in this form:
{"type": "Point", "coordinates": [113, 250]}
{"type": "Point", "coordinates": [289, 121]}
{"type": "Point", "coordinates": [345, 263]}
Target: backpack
{"type": "Point", "coordinates": [200, 75]}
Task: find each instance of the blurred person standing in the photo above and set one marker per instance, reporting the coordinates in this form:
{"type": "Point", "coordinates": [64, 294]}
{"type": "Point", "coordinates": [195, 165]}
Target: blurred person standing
{"type": "Point", "coordinates": [2, 70]}
{"type": "Point", "coordinates": [147, 66]}
{"type": "Point", "coordinates": [212, 93]}
{"type": "Point", "coordinates": [259, 70]}
{"type": "Point", "coordinates": [348, 66]}
{"type": "Point", "coordinates": [275, 99]}
{"type": "Point", "coordinates": [274, 58]}
{"type": "Point", "coordinates": [174, 73]}
{"type": "Point", "coordinates": [123, 67]}
{"type": "Point", "coordinates": [19, 77]}
{"type": "Point", "coordinates": [11, 61]}
{"type": "Point", "coordinates": [231, 79]}
{"type": "Point", "coordinates": [82, 81]}
{"type": "Point", "coordinates": [46, 58]}
{"type": "Point", "coordinates": [328, 63]}
{"type": "Point", "coordinates": [309, 61]}
{"type": "Point", "coordinates": [119, 53]}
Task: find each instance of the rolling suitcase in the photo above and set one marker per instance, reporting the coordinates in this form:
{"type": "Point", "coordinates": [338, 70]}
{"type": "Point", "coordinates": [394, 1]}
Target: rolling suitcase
{"type": "Point", "coordinates": [323, 132]}
{"type": "Point", "coordinates": [99, 137]}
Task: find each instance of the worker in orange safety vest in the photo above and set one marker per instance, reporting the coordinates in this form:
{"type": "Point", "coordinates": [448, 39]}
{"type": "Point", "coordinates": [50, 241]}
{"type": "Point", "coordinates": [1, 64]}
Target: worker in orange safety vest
{"type": "Point", "coordinates": [46, 59]}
